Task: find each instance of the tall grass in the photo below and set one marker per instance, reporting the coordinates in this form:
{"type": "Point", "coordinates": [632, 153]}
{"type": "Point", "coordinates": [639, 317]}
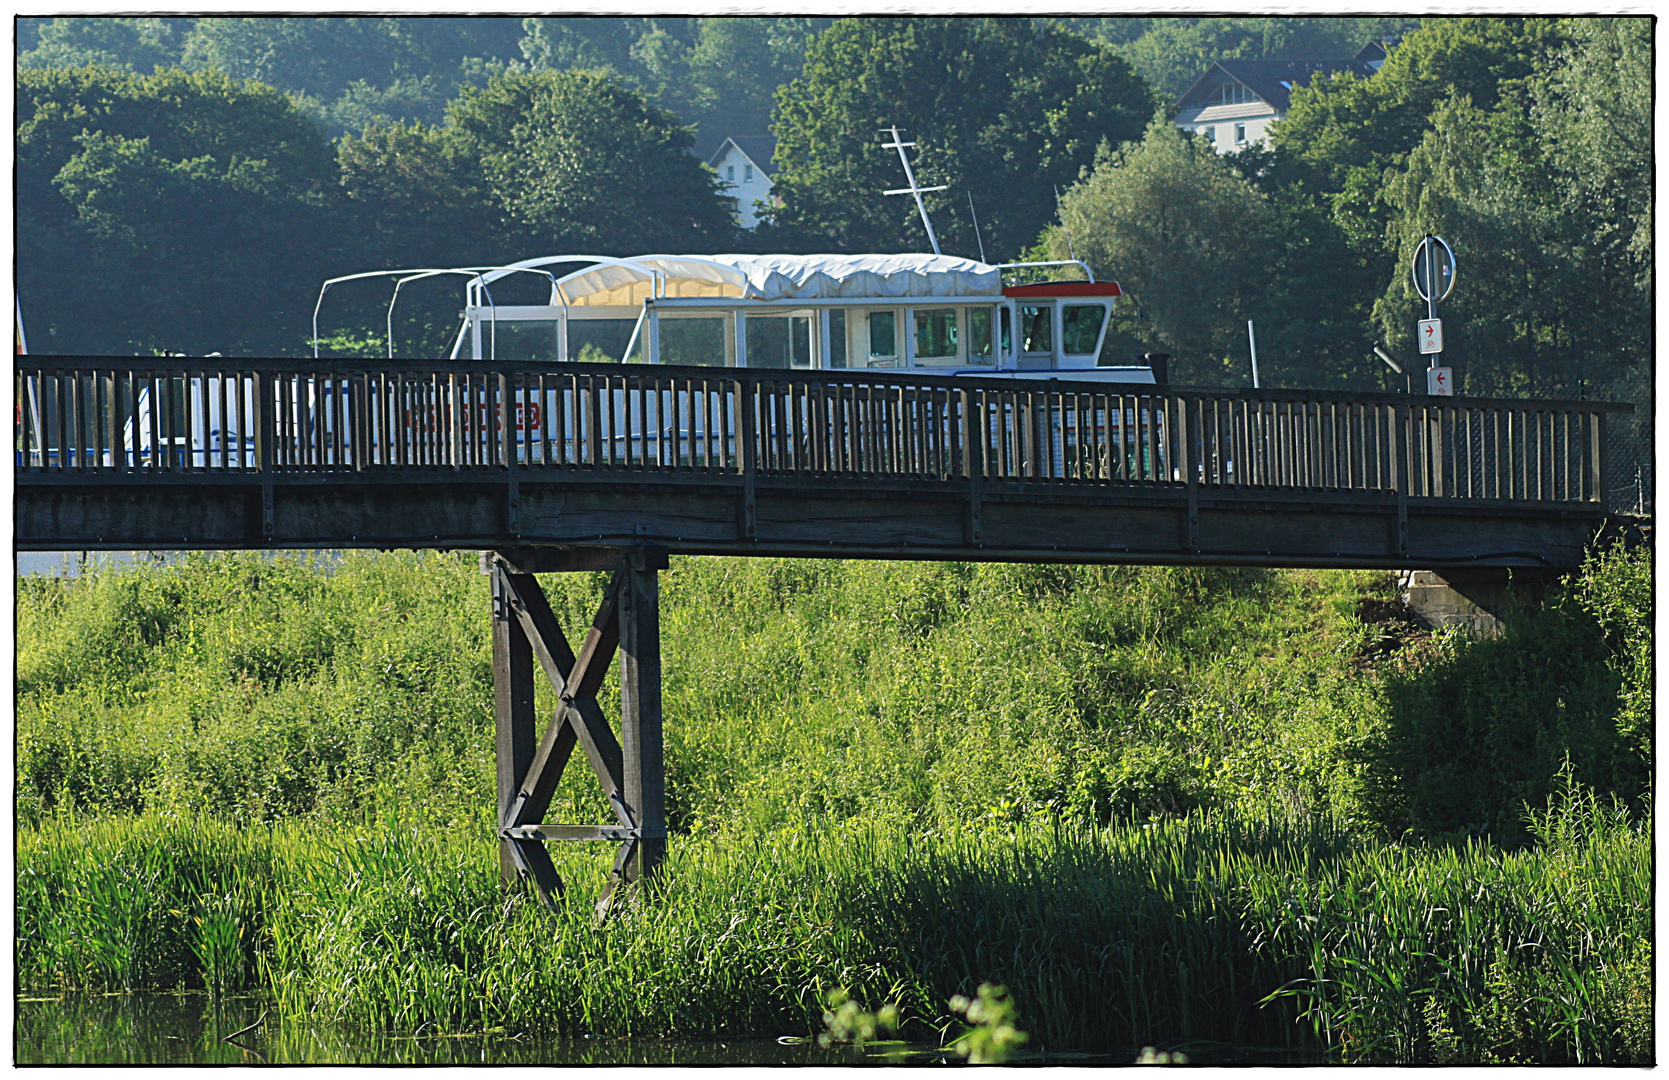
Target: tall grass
{"type": "Point", "coordinates": [1186, 932]}
{"type": "Point", "coordinates": [1162, 806]}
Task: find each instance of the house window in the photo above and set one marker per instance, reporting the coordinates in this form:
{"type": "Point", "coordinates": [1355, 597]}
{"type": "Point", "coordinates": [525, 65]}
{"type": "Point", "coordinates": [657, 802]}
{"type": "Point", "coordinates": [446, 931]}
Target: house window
{"type": "Point", "coordinates": [730, 173]}
{"type": "Point", "coordinates": [1232, 93]}
{"type": "Point", "coordinates": [747, 172]}
{"type": "Point", "coordinates": [1210, 134]}
{"type": "Point", "coordinates": [1239, 133]}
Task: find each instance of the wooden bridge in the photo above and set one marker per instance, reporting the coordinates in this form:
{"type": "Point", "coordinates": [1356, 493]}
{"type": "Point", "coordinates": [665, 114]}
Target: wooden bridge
{"type": "Point", "coordinates": [602, 466]}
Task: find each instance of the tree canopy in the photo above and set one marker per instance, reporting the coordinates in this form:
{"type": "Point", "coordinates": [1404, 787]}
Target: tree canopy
{"type": "Point", "coordinates": [1004, 110]}
{"type": "Point", "coordinates": [1182, 232]}
{"type": "Point", "coordinates": [166, 212]}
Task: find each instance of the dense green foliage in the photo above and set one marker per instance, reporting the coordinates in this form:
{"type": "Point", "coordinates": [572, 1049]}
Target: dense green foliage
{"type": "Point", "coordinates": [1005, 111]}
{"type": "Point", "coordinates": [1182, 933]}
{"type": "Point", "coordinates": [920, 694]}
{"type": "Point", "coordinates": [346, 72]}
{"type": "Point", "coordinates": [162, 212]}
{"type": "Point", "coordinates": [1171, 53]}
{"type": "Point", "coordinates": [1145, 800]}
{"type": "Point", "coordinates": [1187, 234]}
{"type": "Point", "coordinates": [720, 74]}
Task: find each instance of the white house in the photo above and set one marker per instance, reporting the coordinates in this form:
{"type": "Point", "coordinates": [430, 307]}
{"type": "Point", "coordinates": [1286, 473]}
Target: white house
{"type": "Point", "coordinates": [744, 164]}
{"type": "Point", "coordinates": [1235, 102]}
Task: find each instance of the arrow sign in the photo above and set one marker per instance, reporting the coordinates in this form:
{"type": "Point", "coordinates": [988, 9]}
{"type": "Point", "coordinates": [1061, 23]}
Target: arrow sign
{"type": "Point", "coordinates": [1431, 336]}
{"type": "Point", "coordinates": [1440, 382]}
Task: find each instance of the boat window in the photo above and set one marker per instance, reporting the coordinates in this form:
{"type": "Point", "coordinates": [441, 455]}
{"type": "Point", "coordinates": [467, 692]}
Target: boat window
{"type": "Point", "coordinates": [883, 337]}
{"type": "Point", "coordinates": [1036, 335]}
{"type": "Point", "coordinates": [603, 340]}
{"type": "Point", "coordinates": [519, 340]}
{"type": "Point", "coordinates": [1081, 328]}
{"type": "Point", "coordinates": [779, 341]}
{"type": "Point", "coordinates": [979, 335]}
{"type": "Point", "coordinates": [837, 338]}
{"type": "Point", "coordinates": [694, 341]}
{"type": "Point", "coordinates": [1006, 337]}
{"type": "Point", "coordinates": [935, 333]}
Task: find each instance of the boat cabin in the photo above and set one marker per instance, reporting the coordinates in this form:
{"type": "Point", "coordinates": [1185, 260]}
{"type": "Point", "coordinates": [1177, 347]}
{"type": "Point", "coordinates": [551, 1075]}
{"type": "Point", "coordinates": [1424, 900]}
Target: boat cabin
{"type": "Point", "coordinates": [801, 312]}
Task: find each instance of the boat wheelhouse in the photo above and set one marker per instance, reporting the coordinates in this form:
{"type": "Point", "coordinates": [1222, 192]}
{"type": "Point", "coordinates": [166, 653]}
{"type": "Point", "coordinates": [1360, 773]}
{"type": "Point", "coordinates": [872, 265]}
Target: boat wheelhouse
{"type": "Point", "coordinates": [917, 312]}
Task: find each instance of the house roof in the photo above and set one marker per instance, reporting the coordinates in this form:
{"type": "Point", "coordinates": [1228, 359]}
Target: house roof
{"type": "Point", "coordinates": [1273, 80]}
{"type": "Point", "coordinates": [1377, 51]}
{"type": "Point", "coordinates": [756, 148]}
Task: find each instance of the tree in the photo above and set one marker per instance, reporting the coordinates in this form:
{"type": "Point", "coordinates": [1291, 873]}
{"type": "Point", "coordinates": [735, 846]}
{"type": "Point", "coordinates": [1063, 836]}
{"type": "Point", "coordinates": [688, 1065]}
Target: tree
{"type": "Point", "coordinates": [1353, 129]}
{"type": "Point", "coordinates": [1546, 198]}
{"type": "Point", "coordinates": [1173, 53]}
{"type": "Point", "coordinates": [132, 44]}
{"type": "Point", "coordinates": [169, 211]}
{"type": "Point", "coordinates": [1002, 109]}
{"type": "Point", "coordinates": [352, 72]}
{"type": "Point", "coordinates": [1182, 232]}
{"type": "Point", "coordinates": [720, 75]}
{"type": "Point", "coordinates": [589, 165]}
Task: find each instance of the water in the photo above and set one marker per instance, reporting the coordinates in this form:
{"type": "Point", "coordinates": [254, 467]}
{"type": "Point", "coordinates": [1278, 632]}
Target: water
{"type": "Point", "coordinates": [189, 1029]}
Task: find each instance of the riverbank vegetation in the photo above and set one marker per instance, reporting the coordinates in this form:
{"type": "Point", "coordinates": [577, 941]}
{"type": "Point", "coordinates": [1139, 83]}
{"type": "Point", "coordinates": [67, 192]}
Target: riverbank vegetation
{"type": "Point", "coordinates": [1164, 807]}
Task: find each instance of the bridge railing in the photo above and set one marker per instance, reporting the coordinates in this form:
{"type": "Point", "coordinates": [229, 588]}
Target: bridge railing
{"type": "Point", "coordinates": [177, 417]}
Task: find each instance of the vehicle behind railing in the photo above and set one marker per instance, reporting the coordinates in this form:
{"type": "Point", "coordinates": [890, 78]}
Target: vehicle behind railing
{"type": "Point", "coordinates": [164, 417]}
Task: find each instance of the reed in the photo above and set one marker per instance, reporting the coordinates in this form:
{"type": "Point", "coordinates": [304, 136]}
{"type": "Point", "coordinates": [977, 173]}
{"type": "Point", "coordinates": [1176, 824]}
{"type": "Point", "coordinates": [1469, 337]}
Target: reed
{"type": "Point", "coordinates": [1192, 933]}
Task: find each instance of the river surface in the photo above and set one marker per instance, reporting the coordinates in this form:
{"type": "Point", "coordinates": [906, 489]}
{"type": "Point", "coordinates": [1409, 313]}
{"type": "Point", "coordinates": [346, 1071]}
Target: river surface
{"type": "Point", "coordinates": [190, 1029]}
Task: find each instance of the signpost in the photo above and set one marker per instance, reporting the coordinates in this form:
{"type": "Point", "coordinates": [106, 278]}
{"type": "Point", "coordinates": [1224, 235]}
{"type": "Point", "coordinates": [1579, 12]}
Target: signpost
{"type": "Point", "coordinates": [1434, 278]}
{"type": "Point", "coordinates": [1431, 336]}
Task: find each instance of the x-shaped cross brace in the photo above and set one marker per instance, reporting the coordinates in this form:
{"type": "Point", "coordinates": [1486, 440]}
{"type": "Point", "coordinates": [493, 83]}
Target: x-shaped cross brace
{"type": "Point", "coordinates": [629, 769]}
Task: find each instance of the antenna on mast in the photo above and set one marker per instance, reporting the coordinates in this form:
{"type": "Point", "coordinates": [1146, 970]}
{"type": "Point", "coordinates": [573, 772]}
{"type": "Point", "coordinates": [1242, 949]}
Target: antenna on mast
{"type": "Point", "coordinates": [1062, 215]}
{"type": "Point", "coordinates": [975, 216]}
{"type": "Point", "coordinates": [899, 145]}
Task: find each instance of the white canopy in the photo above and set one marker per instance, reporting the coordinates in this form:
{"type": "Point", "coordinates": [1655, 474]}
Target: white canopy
{"type": "Point", "coordinates": [777, 277]}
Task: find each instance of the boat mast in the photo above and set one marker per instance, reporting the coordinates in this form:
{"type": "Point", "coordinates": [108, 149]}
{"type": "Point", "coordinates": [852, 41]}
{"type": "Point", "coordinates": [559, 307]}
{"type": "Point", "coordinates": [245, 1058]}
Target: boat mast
{"type": "Point", "coordinates": [899, 145]}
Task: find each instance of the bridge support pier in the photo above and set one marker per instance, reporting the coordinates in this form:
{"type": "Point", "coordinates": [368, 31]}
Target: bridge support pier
{"type": "Point", "coordinates": [1473, 597]}
{"type": "Point", "coordinates": [631, 767]}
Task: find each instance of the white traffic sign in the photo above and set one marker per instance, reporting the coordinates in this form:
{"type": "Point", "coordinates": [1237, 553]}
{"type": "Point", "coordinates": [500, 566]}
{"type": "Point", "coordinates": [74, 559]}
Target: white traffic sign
{"type": "Point", "coordinates": [1433, 259]}
{"type": "Point", "coordinates": [1431, 336]}
{"type": "Point", "coordinates": [1440, 382]}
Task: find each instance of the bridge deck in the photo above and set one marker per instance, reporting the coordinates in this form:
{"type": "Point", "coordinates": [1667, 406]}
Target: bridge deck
{"type": "Point", "coordinates": [117, 453]}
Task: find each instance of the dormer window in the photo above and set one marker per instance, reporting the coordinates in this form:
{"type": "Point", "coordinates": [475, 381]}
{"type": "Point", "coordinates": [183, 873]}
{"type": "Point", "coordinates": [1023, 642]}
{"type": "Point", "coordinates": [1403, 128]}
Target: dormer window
{"type": "Point", "coordinates": [1232, 93]}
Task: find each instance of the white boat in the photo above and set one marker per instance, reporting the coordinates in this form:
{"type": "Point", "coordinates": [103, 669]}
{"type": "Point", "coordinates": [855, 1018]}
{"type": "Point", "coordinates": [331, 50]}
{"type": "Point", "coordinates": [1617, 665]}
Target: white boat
{"type": "Point", "coordinates": [921, 313]}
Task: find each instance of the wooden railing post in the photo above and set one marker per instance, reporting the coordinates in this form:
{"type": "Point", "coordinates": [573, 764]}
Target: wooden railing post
{"type": "Point", "coordinates": [1190, 466]}
{"type": "Point", "coordinates": [1602, 459]}
{"type": "Point", "coordinates": [745, 405]}
{"type": "Point", "coordinates": [263, 421]}
{"type": "Point", "coordinates": [1403, 417]}
{"type": "Point", "coordinates": [511, 439]}
{"type": "Point", "coordinates": [973, 459]}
